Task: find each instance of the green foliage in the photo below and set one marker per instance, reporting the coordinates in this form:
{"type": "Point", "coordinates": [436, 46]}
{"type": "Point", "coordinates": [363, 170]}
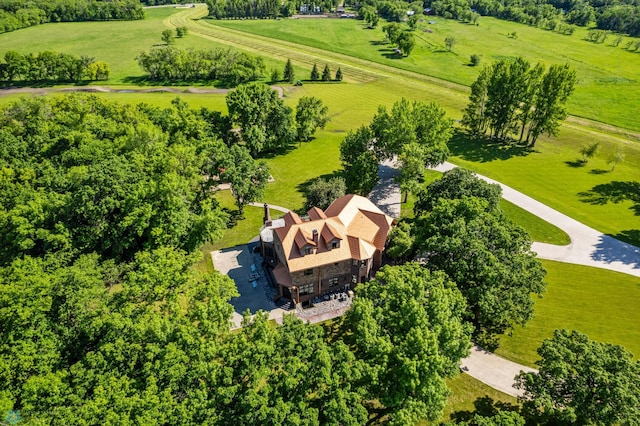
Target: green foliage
{"type": "Point", "coordinates": [51, 67]}
{"type": "Point", "coordinates": [457, 184]}
{"type": "Point", "coordinates": [175, 65]}
{"type": "Point", "coordinates": [582, 382]}
{"type": "Point", "coordinates": [289, 73]}
{"type": "Point", "coordinates": [475, 60]}
{"type": "Point", "coordinates": [321, 193]}
{"type": "Point", "coordinates": [167, 37]}
{"type": "Point", "coordinates": [311, 114]}
{"type": "Point", "coordinates": [315, 74]}
{"type": "Point", "coordinates": [181, 31]}
{"type": "Point", "coordinates": [326, 73]}
{"type": "Point", "coordinates": [589, 151]}
{"type": "Point", "coordinates": [449, 42]}
{"type": "Point", "coordinates": [248, 179]}
{"type": "Point", "coordinates": [16, 14]}
{"type": "Point", "coordinates": [488, 257]}
{"type": "Point", "coordinates": [265, 122]}
{"type": "Point", "coordinates": [407, 327]}
{"type": "Point", "coordinates": [275, 75]}
{"type": "Point", "coordinates": [400, 242]}
{"type": "Point", "coordinates": [87, 175]}
{"type": "Point", "coordinates": [617, 156]}
{"type": "Point", "coordinates": [339, 74]}
{"type": "Point", "coordinates": [510, 95]}
{"type": "Point", "coordinates": [359, 162]}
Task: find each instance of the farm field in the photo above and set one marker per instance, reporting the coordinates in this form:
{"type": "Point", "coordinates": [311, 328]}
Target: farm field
{"type": "Point", "coordinates": [608, 88]}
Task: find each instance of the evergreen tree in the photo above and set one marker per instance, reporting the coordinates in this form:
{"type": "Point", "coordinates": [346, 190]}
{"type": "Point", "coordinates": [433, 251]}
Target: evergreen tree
{"type": "Point", "coordinates": [289, 74]}
{"type": "Point", "coordinates": [315, 74]}
{"type": "Point", "coordinates": [339, 74]}
{"type": "Point", "coordinates": [326, 74]}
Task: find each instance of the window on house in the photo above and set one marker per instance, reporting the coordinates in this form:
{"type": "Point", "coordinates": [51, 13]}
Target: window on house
{"type": "Point", "coordinates": [308, 250]}
{"type": "Point", "coordinates": [308, 272]}
{"type": "Point", "coordinates": [335, 244]}
{"type": "Point", "coordinates": [363, 263]}
{"type": "Point", "coordinates": [333, 281]}
{"type": "Point", "coordinates": [356, 262]}
{"type": "Point", "coordinates": [306, 289]}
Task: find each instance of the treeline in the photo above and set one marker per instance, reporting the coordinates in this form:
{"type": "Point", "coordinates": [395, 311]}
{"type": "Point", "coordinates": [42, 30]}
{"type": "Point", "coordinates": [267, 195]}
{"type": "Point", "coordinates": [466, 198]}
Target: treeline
{"type": "Point", "coordinates": [226, 65]}
{"type": "Point", "coordinates": [51, 67]}
{"type": "Point", "coordinates": [234, 9]}
{"type": "Point", "coordinates": [620, 16]}
{"type": "Point", "coordinates": [511, 99]}
{"type": "Point", "coordinates": [16, 14]}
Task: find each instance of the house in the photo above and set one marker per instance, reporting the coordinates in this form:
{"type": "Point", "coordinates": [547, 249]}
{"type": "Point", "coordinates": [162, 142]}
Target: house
{"type": "Point", "coordinates": [327, 250]}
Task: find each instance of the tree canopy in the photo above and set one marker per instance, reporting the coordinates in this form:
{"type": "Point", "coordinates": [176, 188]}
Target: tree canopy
{"type": "Point", "coordinates": [265, 122]}
{"type": "Point", "coordinates": [311, 113]}
{"type": "Point", "coordinates": [581, 382]}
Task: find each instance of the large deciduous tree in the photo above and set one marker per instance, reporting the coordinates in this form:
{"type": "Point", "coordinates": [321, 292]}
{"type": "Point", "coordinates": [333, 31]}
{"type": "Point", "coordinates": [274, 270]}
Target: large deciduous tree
{"type": "Point", "coordinates": [488, 257]}
{"type": "Point", "coordinates": [510, 96]}
{"type": "Point", "coordinates": [359, 161]}
{"type": "Point", "coordinates": [407, 327]}
{"type": "Point", "coordinates": [582, 382]}
{"type": "Point", "coordinates": [321, 193]}
{"type": "Point", "coordinates": [265, 122]}
{"type": "Point", "coordinates": [311, 113]}
{"type": "Point", "coordinates": [248, 178]}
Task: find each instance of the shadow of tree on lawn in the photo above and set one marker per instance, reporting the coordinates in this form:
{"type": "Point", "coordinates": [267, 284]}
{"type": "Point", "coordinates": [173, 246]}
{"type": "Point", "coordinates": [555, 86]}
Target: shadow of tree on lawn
{"type": "Point", "coordinates": [484, 406]}
{"type": "Point", "coordinates": [482, 149]}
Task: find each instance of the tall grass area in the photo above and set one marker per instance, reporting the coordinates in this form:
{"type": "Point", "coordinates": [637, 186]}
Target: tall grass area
{"type": "Point", "coordinates": [600, 303]}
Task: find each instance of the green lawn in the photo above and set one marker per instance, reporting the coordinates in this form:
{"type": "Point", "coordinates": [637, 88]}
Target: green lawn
{"type": "Point", "coordinates": [539, 230]}
{"type": "Point", "coordinates": [600, 303]}
{"type": "Point", "coordinates": [608, 89]}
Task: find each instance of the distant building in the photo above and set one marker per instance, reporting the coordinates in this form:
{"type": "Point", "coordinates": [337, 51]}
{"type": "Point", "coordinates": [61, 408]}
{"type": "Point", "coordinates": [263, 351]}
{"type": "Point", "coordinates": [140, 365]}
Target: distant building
{"type": "Point", "coordinates": [328, 250]}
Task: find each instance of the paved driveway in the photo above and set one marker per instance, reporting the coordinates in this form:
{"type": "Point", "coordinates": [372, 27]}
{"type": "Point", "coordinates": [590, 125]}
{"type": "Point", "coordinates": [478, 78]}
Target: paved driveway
{"type": "Point", "coordinates": [236, 263]}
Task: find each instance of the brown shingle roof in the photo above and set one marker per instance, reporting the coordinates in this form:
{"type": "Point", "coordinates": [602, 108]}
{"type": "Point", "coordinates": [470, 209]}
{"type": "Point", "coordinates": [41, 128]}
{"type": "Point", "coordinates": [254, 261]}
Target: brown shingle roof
{"type": "Point", "coordinates": [316, 213]}
{"type": "Point", "coordinates": [291, 218]}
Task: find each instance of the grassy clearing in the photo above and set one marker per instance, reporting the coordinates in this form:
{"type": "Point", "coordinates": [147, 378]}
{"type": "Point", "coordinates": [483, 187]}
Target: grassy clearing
{"type": "Point", "coordinates": [600, 303]}
{"type": "Point", "coordinates": [539, 230]}
{"type": "Point", "coordinates": [608, 89]}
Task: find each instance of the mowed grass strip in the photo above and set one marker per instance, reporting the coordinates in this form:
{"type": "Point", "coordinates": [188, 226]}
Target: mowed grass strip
{"type": "Point", "coordinates": [600, 303]}
{"type": "Point", "coordinates": [608, 88]}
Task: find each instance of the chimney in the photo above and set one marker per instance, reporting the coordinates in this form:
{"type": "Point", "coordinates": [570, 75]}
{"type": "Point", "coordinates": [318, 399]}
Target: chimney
{"type": "Point", "coordinates": [315, 236]}
{"type": "Point", "coordinates": [267, 215]}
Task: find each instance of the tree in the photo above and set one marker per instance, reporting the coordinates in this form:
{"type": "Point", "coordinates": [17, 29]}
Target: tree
{"type": "Point", "coordinates": [248, 178]}
{"type": "Point", "coordinates": [581, 382]}
{"type": "Point", "coordinates": [359, 161]}
{"type": "Point", "coordinates": [488, 257]}
{"type": "Point", "coordinates": [475, 60]}
{"type": "Point", "coordinates": [392, 31]}
{"type": "Point", "coordinates": [275, 75]}
{"type": "Point", "coordinates": [321, 193]}
{"type": "Point", "coordinates": [289, 73]}
{"type": "Point", "coordinates": [400, 242]}
{"type": "Point", "coordinates": [457, 184]}
{"type": "Point", "coordinates": [265, 122]}
{"type": "Point", "coordinates": [449, 42]}
{"type": "Point", "coordinates": [407, 327]}
{"type": "Point", "coordinates": [315, 74]}
{"type": "Point", "coordinates": [412, 21]}
{"type": "Point", "coordinates": [405, 42]}
{"type": "Point", "coordinates": [339, 74]}
{"type": "Point", "coordinates": [167, 37]}
{"type": "Point", "coordinates": [617, 156]}
{"type": "Point", "coordinates": [549, 108]}
{"type": "Point", "coordinates": [326, 73]}
{"type": "Point", "coordinates": [589, 151]}
{"type": "Point", "coordinates": [181, 31]}
{"type": "Point", "coordinates": [311, 113]}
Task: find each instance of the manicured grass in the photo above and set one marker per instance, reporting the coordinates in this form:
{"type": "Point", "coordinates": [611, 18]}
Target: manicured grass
{"type": "Point", "coordinates": [538, 229]}
{"type": "Point", "coordinates": [470, 396]}
{"type": "Point", "coordinates": [600, 303]}
{"type": "Point", "coordinates": [607, 90]}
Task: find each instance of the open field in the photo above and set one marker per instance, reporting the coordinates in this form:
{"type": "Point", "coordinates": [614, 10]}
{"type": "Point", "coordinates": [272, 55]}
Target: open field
{"type": "Point", "coordinates": [608, 89]}
{"type": "Point", "coordinates": [600, 303]}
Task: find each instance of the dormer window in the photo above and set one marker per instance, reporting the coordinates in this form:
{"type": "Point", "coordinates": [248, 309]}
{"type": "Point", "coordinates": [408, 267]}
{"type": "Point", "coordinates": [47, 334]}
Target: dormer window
{"type": "Point", "coordinates": [308, 250]}
{"type": "Point", "coordinates": [335, 244]}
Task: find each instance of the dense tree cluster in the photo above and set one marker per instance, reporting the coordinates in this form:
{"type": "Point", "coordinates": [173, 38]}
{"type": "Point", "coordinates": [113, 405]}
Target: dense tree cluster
{"type": "Point", "coordinates": [51, 67]}
{"type": "Point", "coordinates": [267, 124]}
{"type": "Point", "coordinates": [175, 65]}
{"type": "Point", "coordinates": [235, 9]}
{"type": "Point", "coordinates": [511, 97]}
{"type": "Point", "coordinates": [461, 230]}
{"type": "Point", "coordinates": [16, 14]}
{"type": "Point", "coordinates": [321, 192]}
{"type": "Point", "coordinates": [557, 15]}
{"type": "Point", "coordinates": [416, 132]}
{"type": "Point", "coordinates": [399, 37]}
{"type": "Point", "coordinates": [582, 382]}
